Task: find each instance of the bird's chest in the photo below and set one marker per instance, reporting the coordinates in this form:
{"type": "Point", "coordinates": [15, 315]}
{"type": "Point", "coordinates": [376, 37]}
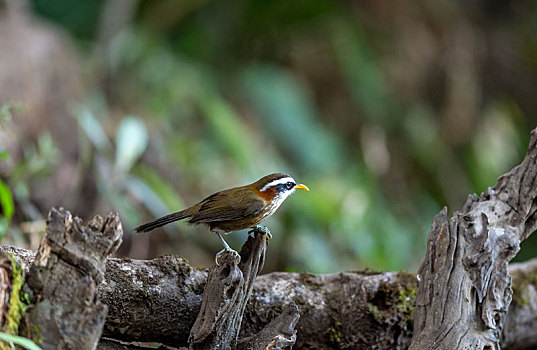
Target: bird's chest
{"type": "Point", "coordinates": [270, 209]}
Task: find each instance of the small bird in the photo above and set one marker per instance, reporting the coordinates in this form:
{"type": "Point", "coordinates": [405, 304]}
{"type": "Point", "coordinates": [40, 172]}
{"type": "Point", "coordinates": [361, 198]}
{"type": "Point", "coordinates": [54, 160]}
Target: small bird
{"type": "Point", "coordinates": [235, 208]}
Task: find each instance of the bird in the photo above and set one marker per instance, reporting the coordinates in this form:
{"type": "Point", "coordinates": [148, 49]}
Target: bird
{"type": "Point", "coordinates": [235, 209]}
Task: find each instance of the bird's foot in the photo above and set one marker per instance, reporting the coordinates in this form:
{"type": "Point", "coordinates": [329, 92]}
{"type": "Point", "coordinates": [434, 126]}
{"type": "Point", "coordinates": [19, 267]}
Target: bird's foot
{"type": "Point", "coordinates": [231, 251]}
{"type": "Point", "coordinates": [261, 229]}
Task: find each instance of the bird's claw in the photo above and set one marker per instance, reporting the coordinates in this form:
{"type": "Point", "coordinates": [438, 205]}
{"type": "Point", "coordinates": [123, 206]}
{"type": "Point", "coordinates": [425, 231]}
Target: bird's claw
{"type": "Point", "coordinates": [261, 229]}
{"type": "Point", "coordinates": [233, 252]}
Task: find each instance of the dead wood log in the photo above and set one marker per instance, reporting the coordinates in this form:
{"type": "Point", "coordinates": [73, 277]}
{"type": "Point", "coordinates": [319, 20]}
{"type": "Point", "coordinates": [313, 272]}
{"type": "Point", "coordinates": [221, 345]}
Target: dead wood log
{"type": "Point", "coordinates": [158, 301]}
{"type": "Point", "coordinates": [464, 284]}
{"type": "Point", "coordinates": [63, 280]}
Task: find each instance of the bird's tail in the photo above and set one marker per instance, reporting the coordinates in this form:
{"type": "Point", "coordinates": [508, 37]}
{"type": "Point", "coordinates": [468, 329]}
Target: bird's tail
{"type": "Point", "coordinates": [149, 226]}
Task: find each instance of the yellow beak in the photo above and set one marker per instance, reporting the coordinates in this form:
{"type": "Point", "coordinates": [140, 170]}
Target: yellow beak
{"type": "Point", "coordinates": [302, 187]}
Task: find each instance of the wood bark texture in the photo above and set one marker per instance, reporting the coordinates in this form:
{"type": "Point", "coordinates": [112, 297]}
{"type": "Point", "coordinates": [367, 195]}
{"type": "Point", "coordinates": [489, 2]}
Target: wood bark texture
{"type": "Point", "coordinates": [520, 331]}
{"type": "Point", "coordinates": [279, 334]}
{"type": "Point", "coordinates": [464, 284]}
{"type": "Point", "coordinates": [229, 286]}
{"type": "Point", "coordinates": [158, 301]}
{"type": "Point", "coordinates": [63, 280]}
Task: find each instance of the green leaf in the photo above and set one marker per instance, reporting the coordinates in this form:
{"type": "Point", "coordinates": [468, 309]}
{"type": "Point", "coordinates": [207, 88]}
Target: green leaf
{"type": "Point", "coordinates": [361, 71]}
{"type": "Point", "coordinates": [3, 154]}
{"type": "Point", "coordinates": [24, 342]}
{"type": "Point", "coordinates": [283, 105]}
{"type": "Point", "coordinates": [131, 142]}
{"type": "Point", "coordinates": [227, 127]}
{"type": "Point", "coordinates": [6, 112]}
{"type": "Point", "coordinates": [140, 190]}
{"type": "Point", "coordinates": [167, 193]}
{"type": "Point", "coordinates": [6, 200]}
{"type": "Point", "coordinates": [4, 224]}
{"type": "Point", "coordinates": [92, 128]}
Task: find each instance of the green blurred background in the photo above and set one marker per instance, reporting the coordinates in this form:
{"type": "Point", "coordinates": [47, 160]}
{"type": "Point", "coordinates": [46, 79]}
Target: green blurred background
{"type": "Point", "coordinates": [387, 110]}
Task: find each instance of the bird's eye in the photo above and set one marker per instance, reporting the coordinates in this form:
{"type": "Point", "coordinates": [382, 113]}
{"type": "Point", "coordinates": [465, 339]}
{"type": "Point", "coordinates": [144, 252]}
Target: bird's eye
{"type": "Point", "coordinates": [289, 185]}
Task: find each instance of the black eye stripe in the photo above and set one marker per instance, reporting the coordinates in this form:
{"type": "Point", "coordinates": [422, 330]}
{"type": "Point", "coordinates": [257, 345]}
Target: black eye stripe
{"type": "Point", "coordinates": [281, 184]}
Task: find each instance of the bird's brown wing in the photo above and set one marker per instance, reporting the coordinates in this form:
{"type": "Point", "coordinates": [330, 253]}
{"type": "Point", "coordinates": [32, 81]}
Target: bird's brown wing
{"type": "Point", "coordinates": [227, 205]}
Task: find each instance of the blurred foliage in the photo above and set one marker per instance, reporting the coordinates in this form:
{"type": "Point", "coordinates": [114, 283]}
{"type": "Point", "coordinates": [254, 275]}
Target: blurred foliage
{"type": "Point", "coordinates": [6, 203]}
{"type": "Point", "coordinates": [387, 112]}
{"type": "Point", "coordinates": [6, 198]}
{"type": "Point", "coordinates": [21, 341]}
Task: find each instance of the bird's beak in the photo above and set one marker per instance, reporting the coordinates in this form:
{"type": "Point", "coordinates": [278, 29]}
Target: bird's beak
{"type": "Point", "coordinates": [302, 187]}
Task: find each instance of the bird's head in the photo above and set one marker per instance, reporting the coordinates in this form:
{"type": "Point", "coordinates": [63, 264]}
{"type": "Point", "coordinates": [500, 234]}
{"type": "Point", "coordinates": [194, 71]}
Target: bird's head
{"type": "Point", "coordinates": [277, 187]}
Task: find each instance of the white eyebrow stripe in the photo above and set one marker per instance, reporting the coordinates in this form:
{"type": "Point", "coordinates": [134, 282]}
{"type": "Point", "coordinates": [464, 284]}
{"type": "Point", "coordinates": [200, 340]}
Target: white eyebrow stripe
{"type": "Point", "coordinates": [276, 182]}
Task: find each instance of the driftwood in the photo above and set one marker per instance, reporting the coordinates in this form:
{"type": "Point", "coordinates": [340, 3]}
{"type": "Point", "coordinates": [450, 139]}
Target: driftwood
{"type": "Point", "coordinates": [63, 279]}
{"type": "Point", "coordinates": [225, 296]}
{"type": "Point", "coordinates": [465, 287]}
{"type": "Point", "coordinates": [158, 301]}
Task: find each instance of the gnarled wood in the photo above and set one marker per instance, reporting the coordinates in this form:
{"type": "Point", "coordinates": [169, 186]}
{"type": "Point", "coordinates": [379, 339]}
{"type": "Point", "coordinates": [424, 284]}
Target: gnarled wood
{"type": "Point", "coordinates": [279, 334]}
{"type": "Point", "coordinates": [465, 288]}
{"type": "Point", "coordinates": [64, 277]}
{"type": "Point", "coordinates": [226, 294]}
{"type": "Point", "coordinates": [158, 301]}
{"type": "Point", "coordinates": [228, 289]}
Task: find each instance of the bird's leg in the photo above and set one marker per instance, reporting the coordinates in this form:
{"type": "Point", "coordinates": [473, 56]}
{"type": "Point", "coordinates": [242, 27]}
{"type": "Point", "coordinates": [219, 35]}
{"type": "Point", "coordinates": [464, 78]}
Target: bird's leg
{"type": "Point", "coordinates": [226, 248]}
{"type": "Point", "coordinates": [261, 229]}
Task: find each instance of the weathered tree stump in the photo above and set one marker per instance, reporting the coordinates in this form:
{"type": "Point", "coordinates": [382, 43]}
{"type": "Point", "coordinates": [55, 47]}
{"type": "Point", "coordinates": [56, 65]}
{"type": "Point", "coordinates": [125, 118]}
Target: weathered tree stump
{"type": "Point", "coordinates": [226, 295]}
{"type": "Point", "coordinates": [464, 285]}
{"type": "Point", "coordinates": [64, 277]}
